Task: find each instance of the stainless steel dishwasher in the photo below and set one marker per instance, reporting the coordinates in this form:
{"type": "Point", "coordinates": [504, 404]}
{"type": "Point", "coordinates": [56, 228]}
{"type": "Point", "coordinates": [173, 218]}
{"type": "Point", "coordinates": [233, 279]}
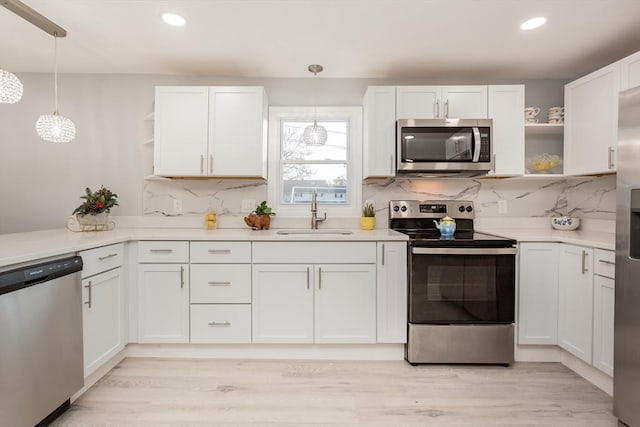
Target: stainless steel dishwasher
{"type": "Point", "coordinates": [41, 364]}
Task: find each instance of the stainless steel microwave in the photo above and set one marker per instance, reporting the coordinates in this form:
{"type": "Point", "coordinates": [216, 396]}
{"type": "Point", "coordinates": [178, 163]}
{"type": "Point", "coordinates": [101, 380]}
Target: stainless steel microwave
{"type": "Point", "coordinates": [460, 147]}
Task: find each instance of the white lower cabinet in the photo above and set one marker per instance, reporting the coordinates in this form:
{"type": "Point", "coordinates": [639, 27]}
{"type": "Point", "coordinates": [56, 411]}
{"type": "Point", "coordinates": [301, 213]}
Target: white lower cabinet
{"type": "Point", "coordinates": [575, 301]}
{"type": "Point", "coordinates": [603, 318]}
{"type": "Point", "coordinates": [163, 303]}
{"type": "Point", "coordinates": [102, 316]}
{"type": "Point", "coordinates": [221, 323]}
{"type": "Point", "coordinates": [306, 303]}
{"type": "Point", "coordinates": [538, 294]}
{"type": "Point", "coordinates": [392, 292]}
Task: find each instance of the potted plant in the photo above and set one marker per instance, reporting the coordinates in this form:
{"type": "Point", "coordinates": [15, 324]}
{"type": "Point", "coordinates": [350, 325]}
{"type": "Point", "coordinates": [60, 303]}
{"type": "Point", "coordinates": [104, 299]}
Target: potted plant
{"type": "Point", "coordinates": [94, 211]}
{"type": "Point", "coordinates": [368, 219]}
{"type": "Point", "coordinates": [260, 218]}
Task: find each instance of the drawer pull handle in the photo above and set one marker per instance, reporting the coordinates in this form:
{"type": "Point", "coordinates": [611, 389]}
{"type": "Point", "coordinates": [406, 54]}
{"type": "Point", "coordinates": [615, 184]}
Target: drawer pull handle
{"type": "Point", "coordinates": [219, 283]}
{"type": "Point", "coordinates": [88, 303]}
{"type": "Point", "coordinates": [161, 251]}
{"type": "Point", "coordinates": [604, 261]}
{"type": "Point", "coordinates": [219, 251]}
{"type": "Point", "coordinates": [219, 323]}
{"type": "Point", "coordinates": [102, 258]}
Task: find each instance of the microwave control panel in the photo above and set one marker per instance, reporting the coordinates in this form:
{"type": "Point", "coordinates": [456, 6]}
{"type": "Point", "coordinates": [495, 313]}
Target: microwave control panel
{"type": "Point", "coordinates": [485, 145]}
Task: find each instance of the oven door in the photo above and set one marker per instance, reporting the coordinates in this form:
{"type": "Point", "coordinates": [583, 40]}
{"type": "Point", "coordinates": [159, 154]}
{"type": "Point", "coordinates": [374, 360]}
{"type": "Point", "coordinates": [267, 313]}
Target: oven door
{"type": "Point", "coordinates": [462, 285]}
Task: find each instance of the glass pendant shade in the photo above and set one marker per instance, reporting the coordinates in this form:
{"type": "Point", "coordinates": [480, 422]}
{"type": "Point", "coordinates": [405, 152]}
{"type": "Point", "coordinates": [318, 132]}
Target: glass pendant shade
{"type": "Point", "coordinates": [10, 88]}
{"type": "Point", "coordinates": [314, 134]}
{"type": "Point", "coordinates": [55, 128]}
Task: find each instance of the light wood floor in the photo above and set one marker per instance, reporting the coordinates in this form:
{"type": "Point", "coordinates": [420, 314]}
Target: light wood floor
{"type": "Point", "coordinates": [171, 392]}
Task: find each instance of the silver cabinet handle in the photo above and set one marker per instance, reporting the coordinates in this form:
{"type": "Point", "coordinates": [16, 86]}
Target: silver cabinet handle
{"type": "Point", "coordinates": [102, 258]}
{"type": "Point", "coordinates": [611, 157]}
{"type": "Point", "coordinates": [211, 163]}
{"type": "Point", "coordinates": [307, 277]}
{"type": "Point", "coordinates": [219, 283]}
{"type": "Point", "coordinates": [383, 254]}
{"type": "Point", "coordinates": [584, 262]}
{"type": "Point", "coordinates": [201, 163]}
{"type": "Point", "coordinates": [392, 164]}
{"type": "Point", "coordinates": [436, 108]}
{"type": "Point", "coordinates": [494, 163]}
{"type": "Point", "coordinates": [88, 303]}
{"type": "Point", "coordinates": [181, 277]}
{"type": "Point", "coordinates": [161, 251]}
{"type": "Point", "coordinates": [219, 323]}
{"type": "Point", "coordinates": [604, 261]}
{"type": "Point", "coordinates": [446, 109]}
{"type": "Point", "coordinates": [219, 251]}
{"type": "Point", "coordinates": [319, 278]}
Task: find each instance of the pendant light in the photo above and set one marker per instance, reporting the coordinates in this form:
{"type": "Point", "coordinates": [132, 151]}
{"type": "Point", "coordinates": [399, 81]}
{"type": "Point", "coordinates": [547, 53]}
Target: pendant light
{"type": "Point", "coordinates": [315, 134]}
{"type": "Point", "coordinates": [10, 88]}
{"type": "Point", "coordinates": [54, 127]}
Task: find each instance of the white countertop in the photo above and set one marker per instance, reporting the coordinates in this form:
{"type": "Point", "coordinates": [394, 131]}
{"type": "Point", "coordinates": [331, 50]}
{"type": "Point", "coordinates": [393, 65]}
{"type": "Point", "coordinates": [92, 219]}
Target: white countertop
{"type": "Point", "coordinates": [586, 237]}
{"type": "Point", "coordinates": [23, 247]}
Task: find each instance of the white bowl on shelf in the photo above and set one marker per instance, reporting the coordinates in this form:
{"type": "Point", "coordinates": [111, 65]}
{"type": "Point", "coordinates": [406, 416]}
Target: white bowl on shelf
{"type": "Point", "coordinates": [565, 223]}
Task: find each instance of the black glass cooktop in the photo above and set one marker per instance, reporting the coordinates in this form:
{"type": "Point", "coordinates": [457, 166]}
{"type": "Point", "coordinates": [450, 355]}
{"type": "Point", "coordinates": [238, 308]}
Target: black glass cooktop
{"type": "Point", "coordinates": [465, 238]}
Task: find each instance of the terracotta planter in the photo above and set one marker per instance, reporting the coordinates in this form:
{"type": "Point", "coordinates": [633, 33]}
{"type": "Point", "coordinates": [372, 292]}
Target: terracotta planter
{"type": "Point", "coordinates": [368, 222]}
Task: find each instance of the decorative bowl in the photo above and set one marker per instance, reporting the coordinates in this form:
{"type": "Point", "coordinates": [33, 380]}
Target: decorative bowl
{"type": "Point", "coordinates": [565, 223]}
{"type": "Point", "coordinates": [543, 163]}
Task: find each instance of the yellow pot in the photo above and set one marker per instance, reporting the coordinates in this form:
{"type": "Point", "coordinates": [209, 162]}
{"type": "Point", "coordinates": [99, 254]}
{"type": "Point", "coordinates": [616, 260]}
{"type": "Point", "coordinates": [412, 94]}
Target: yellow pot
{"type": "Point", "coordinates": [368, 222]}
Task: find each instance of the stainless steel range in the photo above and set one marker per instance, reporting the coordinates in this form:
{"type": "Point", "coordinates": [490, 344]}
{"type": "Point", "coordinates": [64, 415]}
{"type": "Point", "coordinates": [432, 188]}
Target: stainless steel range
{"type": "Point", "coordinates": [461, 289]}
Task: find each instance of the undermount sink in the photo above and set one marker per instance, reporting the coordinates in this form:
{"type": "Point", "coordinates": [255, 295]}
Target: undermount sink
{"type": "Point", "coordinates": [302, 231]}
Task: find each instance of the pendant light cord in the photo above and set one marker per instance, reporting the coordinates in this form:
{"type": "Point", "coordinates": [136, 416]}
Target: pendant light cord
{"type": "Point", "coordinates": [55, 72]}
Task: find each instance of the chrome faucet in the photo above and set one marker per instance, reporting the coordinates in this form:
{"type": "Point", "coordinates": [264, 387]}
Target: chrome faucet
{"type": "Point", "coordinates": [314, 212]}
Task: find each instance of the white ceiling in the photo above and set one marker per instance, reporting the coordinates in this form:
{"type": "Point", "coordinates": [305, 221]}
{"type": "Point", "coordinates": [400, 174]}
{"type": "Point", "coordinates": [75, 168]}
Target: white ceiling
{"type": "Point", "coordinates": [398, 39]}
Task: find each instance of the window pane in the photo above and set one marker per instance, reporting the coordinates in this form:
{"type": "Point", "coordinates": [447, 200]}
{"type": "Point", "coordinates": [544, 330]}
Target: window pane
{"type": "Point", "coordinates": [293, 148]}
{"type": "Point", "coordinates": [329, 181]}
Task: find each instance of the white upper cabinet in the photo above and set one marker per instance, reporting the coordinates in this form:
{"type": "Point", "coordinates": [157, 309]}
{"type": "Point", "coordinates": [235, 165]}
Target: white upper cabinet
{"type": "Point", "coordinates": [210, 131]}
{"type": "Point", "coordinates": [630, 71]}
{"type": "Point", "coordinates": [506, 106]}
{"type": "Point", "coordinates": [379, 158]}
{"type": "Point", "coordinates": [181, 130]}
{"type": "Point", "coordinates": [591, 122]}
{"type": "Point", "coordinates": [441, 102]}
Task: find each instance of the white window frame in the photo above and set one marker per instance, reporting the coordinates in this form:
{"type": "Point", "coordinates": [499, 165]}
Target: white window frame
{"type": "Point", "coordinates": [354, 159]}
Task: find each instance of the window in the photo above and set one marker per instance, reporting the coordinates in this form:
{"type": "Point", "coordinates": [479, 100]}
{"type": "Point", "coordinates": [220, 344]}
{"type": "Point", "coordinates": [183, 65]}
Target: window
{"type": "Point", "coordinates": [332, 170]}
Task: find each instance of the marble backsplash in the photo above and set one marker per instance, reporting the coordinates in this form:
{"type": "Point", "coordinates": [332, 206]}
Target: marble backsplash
{"type": "Point", "coordinates": [585, 197]}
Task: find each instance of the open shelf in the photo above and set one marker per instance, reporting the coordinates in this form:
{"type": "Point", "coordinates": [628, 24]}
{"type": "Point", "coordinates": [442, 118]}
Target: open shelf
{"type": "Point", "coordinates": [544, 128]}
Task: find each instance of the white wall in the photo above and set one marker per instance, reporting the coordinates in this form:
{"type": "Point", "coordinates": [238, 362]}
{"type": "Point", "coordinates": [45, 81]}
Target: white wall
{"type": "Point", "coordinates": [40, 183]}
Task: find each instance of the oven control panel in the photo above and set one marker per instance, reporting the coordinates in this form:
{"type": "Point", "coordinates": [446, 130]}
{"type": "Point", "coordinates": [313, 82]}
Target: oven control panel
{"type": "Point", "coordinates": [455, 209]}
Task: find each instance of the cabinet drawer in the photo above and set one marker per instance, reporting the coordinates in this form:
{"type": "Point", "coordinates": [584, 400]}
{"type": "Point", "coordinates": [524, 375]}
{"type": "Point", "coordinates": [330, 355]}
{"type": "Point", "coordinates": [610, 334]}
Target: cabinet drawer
{"type": "Point", "coordinates": [604, 263]}
{"type": "Point", "coordinates": [223, 252]}
{"type": "Point", "coordinates": [315, 252]}
{"type": "Point", "coordinates": [220, 283]}
{"type": "Point", "coordinates": [162, 251]}
{"type": "Point", "coordinates": [221, 323]}
{"type": "Point", "coordinates": [102, 259]}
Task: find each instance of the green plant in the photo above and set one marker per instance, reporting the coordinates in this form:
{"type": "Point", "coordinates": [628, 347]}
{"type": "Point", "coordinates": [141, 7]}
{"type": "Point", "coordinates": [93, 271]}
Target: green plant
{"type": "Point", "coordinates": [96, 202]}
{"type": "Point", "coordinates": [264, 209]}
{"type": "Point", "coordinates": [368, 210]}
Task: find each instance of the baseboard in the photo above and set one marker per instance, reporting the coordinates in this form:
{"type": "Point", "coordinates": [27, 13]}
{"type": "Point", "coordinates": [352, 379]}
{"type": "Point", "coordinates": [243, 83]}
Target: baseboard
{"type": "Point", "coordinates": [95, 376]}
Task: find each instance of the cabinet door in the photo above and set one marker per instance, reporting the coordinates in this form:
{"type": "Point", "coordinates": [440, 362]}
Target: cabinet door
{"type": "Point", "coordinates": [237, 132]}
{"type": "Point", "coordinates": [102, 318]}
{"type": "Point", "coordinates": [603, 314]}
{"type": "Point", "coordinates": [591, 122]}
{"type": "Point", "coordinates": [630, 71]}
{"type": "Point", "coordinates": [345, 303]}
{"type": "Point", "coordinates": [392, 292]}
{"type": "Point", "coordinates": [379, 132]}
{"type": "Point", "coordinates": [180, 130]}
{"type": "Point", "coordinates": [163, 303]}
{"type": "Point", "coordinates": [506, 104]}
{"type": "Point", "coordinates": [418, 102]}
{"type": "Point", "coordinates": [575, 301]}
{"type": "Point", "coordinates": [464, 102]}
{"type": "Point", "coordinates": [538, 294]}
{"type": "Point", "coordinates": [282, 303]}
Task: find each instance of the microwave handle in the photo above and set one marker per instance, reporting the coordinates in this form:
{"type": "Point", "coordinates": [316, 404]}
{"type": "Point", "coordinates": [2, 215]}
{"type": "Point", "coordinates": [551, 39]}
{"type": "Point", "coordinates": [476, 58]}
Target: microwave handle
{"type": "Point", "coordinates": [476, 145]}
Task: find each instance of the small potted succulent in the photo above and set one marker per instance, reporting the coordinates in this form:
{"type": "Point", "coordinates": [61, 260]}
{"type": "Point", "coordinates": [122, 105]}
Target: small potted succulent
{"type": "Point", "coordinates": [94, 211]}
{"type": "Point", "coordinates": [260, 218]}
{"type": "Point", "coordinates": [368, 219]}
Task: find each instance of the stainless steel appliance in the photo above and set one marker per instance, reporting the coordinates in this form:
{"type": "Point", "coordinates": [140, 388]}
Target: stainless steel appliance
{"type": "Point", "coordinates": [444, 146]}
{"type": "Point", "coordinates": [461, 289]}
{"type": "Point", "coordinates": [626, 363]}
{"type": "Point", "coordinates": [41, 364]}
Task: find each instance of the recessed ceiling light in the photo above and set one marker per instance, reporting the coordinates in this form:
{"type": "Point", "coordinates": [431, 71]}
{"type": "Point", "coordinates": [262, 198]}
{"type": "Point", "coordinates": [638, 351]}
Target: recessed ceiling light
{"type": "Point", "coordinates": [532, 23]}
{"type": "Point", "coordinates": [173, 19]}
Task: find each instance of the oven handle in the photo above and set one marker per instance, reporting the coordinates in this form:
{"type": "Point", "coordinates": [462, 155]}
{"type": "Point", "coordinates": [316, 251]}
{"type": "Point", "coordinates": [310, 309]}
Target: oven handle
{"type": "Point", "coordinates": [464, 251]}
{"type": "Point", "coordinates": [476, 148]}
